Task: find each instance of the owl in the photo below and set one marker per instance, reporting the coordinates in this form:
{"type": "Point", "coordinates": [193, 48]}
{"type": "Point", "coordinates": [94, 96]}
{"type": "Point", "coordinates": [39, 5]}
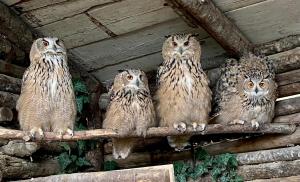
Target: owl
{"type": "Point", "coordinates": [245, 92]}
{"type": "Point", "coordinates": [47, 100]}
{"type": "Point", "coordinates": [130, 110]}
{"type": "Point", "coordinates": [183, 97]}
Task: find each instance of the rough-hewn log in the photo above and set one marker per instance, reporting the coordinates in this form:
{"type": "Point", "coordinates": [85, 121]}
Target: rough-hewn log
{"type": "Point", "coordinates": [152, 132]}
{"type": "Point", "coordinates": [288, 106]}
{"type": "Point", "coordinates": [10, 84]}
{"type": "Point", "coordinates": [288, 90]}
{"type": "Point", "coordinates": [19, 148]}
{"type": "Point", "coordinates": [288, 77]}
{"type": "Point", "coordinates": [6, 114]}
{"type": "Point", "coordinates": [163, 173]}
{"type": "Point", "coordinates": [11, 51]}
{"type": "Point", "coordinates": [13, 167]}
{"type": "Point", "coordinates": [279, 45]}
{"type": "Point", "coordinates": [12, 27]}
{"type": "Point", "coordinates": [210, 18]}
{"type": "Point", "coordinates": [292, 119]}
{"type": "Point", "coordinates": [286, 61]}
{"type": "Point", "coordinates": [266, 156]}
{"type": "Point", "coordinates": [11, 70]}
{"type": "Point", "coordinates": [284, 179]}
{"type": "Point", "coordinates": [270, 170]}
{"type": "Point", "coordinates": [8, 99]}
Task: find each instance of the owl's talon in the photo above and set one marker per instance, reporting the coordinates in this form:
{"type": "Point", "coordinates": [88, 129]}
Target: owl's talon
{"type": "Point", "coordinates": [202, 126]}
{"type": "Point", "coordinates": [254, 124]}
{"type": "Point", "coordinates": [194, 125]}
{"type": "Point", "coordinates": [34, 131]}
{"type": "Point", "coordinates": [70, 132]}
{"type": "Point", "coordinates": [237, 122]}
{"type": "Point", "coordinates": [181, 127]}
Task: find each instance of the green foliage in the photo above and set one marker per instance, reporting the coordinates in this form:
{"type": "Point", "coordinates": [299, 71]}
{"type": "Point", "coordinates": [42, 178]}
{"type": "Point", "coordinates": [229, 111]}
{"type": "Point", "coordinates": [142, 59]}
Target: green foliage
{"type": "Point", "coordinates": [110, 165]}
{"type": "Point", "coordinates": [220, 167]}
{"type": "Point", "coordinates": [82, 94]}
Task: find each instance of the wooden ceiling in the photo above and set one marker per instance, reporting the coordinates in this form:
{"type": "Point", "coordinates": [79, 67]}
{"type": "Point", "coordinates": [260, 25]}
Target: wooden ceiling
{"type": "Point", "coordinates": [108, 35]}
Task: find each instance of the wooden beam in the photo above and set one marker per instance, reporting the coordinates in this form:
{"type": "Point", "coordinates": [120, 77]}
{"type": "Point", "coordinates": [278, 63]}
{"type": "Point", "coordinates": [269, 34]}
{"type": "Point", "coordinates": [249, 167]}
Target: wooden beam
{"type": "Point", "coordinates": [286, 179]}
{"type": "Point", "coordinates": [210, 18]}
{"type": "Point", "coordinates": [152, 132]}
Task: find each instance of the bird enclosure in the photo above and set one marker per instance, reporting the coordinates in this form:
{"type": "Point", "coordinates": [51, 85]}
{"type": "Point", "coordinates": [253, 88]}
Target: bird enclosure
{"type": "Point", "coordinates": [105, 36]}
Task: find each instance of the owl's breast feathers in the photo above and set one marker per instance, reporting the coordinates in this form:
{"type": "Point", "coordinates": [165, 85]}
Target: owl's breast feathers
{"type": "Point", "coordinates": [49, 77]}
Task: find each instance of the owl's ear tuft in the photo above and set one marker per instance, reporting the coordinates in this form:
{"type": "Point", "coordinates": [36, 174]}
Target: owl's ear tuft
{"type": "Point", "coordinates": [167, 36]}
{"type": "Point", "coordinates": [194, 34]}
{"type": "Point", "coordinates": [121, 70]}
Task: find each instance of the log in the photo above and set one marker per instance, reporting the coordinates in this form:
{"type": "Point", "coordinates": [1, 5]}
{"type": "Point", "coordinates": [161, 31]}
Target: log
{"type": "Point", "coordinates": [10, 51]}
{"type": "Point", "coordinates": [205, 14]}
{"type": "Point", "coordinates": [286, 61]}
{"type": "Point", "coordinates": [287, 107]}
{"type": "Point", "coordinates": [288, 90]}
{"type": "Point", "coordinates": [163, 173]}
{"type": "Point", "coordinates": [278, 45]}
{"type": "Point", "coordinates": [19, 148]}
{"type": "Point", "coordinates": [13, 167]}
{"type": "Point", "coordinates": [6, 115]}
{"type": "Point", "coordinates": [288, 77]}
{"type": "Point", "coordinates": [292, 119]}
{"type": "Point", "coordinates": [8, 99]}
{"type": "Point", "coordinates": [11, 70]}
{"type": "Point", "coordinates": [270, 170]}
{"type": "Point", "coordinates": [285, 179]}
{"type": "Point", "coordinates": [10, 84]}
{"type": "Point", "coordinates": [152, 132]}
{"type": "Point", "coordinates": [266, 156]}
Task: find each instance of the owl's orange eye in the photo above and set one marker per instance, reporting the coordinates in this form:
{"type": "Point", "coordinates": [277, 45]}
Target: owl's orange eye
{"type": "Point", "coordinates": [250, 84]}
{"type": "Point", "coordinates": [45, 43]}
{"type": "Point", "coordinates": [262, 84]}
{"type": "Point", "coordinates": [174, 44]}
{"type": "Point", "coordinates": [129, 77]}
{"type": "Point", "coordinates": [186, 43]}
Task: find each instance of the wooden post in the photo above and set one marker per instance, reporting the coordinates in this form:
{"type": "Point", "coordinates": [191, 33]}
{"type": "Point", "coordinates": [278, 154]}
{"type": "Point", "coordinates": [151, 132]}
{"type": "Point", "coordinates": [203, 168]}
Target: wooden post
{"type": "Point", "coordinates": [205, 14]}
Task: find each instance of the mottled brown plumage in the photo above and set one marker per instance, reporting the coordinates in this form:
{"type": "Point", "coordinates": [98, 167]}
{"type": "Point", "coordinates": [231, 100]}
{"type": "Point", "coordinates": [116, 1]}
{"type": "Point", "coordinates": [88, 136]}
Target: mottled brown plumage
{"type": "Point", "coordinates": [245, 92]}
{"type": "Point", "coordinates": [183, 96]}
{"type": "Point", "coordinates": [47, 100]}
{"type": "Point", "coordinates": [130, 110]}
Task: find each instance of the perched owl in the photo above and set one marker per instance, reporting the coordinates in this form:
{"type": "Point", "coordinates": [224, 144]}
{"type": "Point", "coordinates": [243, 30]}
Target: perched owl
{"type": "Point", "coordinates": [245, 92]}
{"type": "Point", "coordinates": [183, 97]}
{"type": "Point", "coordinates": [130, 110]}
{"type": "Point", "coordinates": [47, 100]}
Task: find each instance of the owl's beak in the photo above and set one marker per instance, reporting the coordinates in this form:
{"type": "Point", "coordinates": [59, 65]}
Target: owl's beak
{"type": "Point", "coordinates": [256, 90]}
{"type": "Point", "coordinates": [137, 82]}
{"type": "Point", "coordinates": [180, 50]}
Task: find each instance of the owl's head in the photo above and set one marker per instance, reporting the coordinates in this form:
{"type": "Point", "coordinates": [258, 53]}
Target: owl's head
{"type": "Point", "coordinates": [131, 79]}
{"type": "Point", "coordinates": [47, 46]}
{"type": "Point", "coordinates": [181, 45]}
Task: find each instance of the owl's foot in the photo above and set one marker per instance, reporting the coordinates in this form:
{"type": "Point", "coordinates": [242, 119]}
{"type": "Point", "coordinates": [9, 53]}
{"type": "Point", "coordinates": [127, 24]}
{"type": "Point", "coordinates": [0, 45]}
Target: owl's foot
{"type": "Point", "coordinates": [181, 126]}
{"type": "Point", "coordinates": [201, 127]}
{"type": "Point", "coordinates": [237, 121]}
{"type": "Point", "coordinates": [36, 130]}
{"type": "Point", "coordinates": [61, 132]}
{"type": "Point", "coordinates": [141, 132]}
{"type": "Point", "coordinates": [254, 124]}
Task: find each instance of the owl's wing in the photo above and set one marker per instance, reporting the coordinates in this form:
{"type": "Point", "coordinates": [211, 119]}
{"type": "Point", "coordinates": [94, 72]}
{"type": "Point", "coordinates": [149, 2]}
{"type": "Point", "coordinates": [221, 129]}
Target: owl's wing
{"type": "Point", "coordinates": [25, 79]}
{"type": "Point", "coordinates": [226, 85]}
{"type": "Point", "coordinates": [158, 74]}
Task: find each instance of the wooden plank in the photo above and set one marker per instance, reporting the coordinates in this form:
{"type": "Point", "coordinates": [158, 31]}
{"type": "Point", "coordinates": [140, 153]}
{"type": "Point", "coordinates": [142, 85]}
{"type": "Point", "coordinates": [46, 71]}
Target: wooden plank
{"type": "Point", "coordinates": [35, 4]}
{"type": "Point", "coordinates": [229, 5]}
{"type": "Point", "coordinates": [75, 31]}
{"type": "Point", "coordinates": [60, 11]}
{"type": "Point", "coordinates": [142, 14]}
{"type": "Point", "coordinates": [206, 15]}
{"type": "Point", "coordinates": [130, 46]}
{"type": "Point", "coordinates": [163, 173]}
{"type": "Point", "coordinates": [10, 2]}
{"type": "Point", "coordinates": [285, 179]}
{"type": "Point", "coordinates": [273, 25]}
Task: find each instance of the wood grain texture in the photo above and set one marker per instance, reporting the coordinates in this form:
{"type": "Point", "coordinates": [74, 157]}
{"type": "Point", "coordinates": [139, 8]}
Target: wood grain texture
{"type": "Point", "coordinates": [229, 5]}
{"type": "Point", "coordinates": [8, 99]}
{"type": "Point", "coordinates": [285, 179]}
{"type": "Point", "coordinates": [10, 84]}
{"type": "Point", "coordinates": [35, 4]}
{"type": "Point", "coordinates": [143, 13]}
{"type": "Point", "coordinates": [268, 20]}
{"type": "Point", "coordinates": [74, 31]}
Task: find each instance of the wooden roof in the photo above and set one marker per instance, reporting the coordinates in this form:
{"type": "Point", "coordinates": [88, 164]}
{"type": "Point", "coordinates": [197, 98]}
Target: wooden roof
{"type": "Point", "coordinates": [106, 35]}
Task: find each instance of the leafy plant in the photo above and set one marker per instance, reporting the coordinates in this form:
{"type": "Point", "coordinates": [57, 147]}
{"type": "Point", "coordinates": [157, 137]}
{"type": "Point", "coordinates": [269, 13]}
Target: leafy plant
{"type": "Point", "coordinates": [220, 167]}
{"type": "Point", "coordinates": [110, 165]}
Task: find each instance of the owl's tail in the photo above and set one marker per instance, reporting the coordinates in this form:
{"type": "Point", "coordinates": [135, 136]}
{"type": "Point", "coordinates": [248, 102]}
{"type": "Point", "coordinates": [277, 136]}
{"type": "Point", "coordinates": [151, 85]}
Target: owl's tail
{"type": "Point", "coordinates": [179, 142]}
{"type": "Point", "coordinates": [122, 147]}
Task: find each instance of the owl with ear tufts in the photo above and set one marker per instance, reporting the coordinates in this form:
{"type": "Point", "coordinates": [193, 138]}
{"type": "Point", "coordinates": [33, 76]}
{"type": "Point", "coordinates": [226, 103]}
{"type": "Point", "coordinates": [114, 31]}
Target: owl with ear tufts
{"type": "Point", "coordinates": [47, 100]}
{"type": "Point", "coordinates": [130, 110]}
{"type": "Point", "coordinates": [183, 96]}
{"type": "Point", "coordinates": [245, 92]}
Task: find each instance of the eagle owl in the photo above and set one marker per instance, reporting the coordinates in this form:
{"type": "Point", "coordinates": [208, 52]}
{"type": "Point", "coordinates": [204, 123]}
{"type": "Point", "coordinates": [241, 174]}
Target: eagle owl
{"type": "Point", "coordinates": [47, 100]}
{"type": "Point", "coordinates": [245, 92]}
{"type": "Point", "coordinates": [183, 97]}
{"type": "Point", "coordinates": [130, 110]}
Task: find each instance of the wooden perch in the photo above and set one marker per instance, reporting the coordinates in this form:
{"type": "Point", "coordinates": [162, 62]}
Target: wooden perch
{"type": "Point", "coordinates": [205, 14]}
{"type": "Point", "coordinates": [10, 84]}
{"type": "Point", "coordinates": [152, 132]}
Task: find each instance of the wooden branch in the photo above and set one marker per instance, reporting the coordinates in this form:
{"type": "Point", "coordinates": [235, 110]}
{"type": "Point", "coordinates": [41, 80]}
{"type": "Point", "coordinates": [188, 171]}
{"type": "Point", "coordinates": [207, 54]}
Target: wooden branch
{"type": "Point", "coordinates": [152, 132]}
{"type": "Point", "coordinates": [210, 18]}
{"type": "Point", "coordinates": [10, 84]}
{"type": "Point", "coordinates": [270, 170]}
{"type": "Point", "coordinates": [286, 179]}
{"type": "Point", "coordinates": [279, 45]}
{"type": "Point", "coordinates": [266, 156]}
{"type": "Point", "coordinates": [8, 99]}
{"type": "Point", "coordinates": [163, 173]}
{"type": "Point", "coordinates": [11, 70]}
{"type": "Point", "coordinates": [13, 167]}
